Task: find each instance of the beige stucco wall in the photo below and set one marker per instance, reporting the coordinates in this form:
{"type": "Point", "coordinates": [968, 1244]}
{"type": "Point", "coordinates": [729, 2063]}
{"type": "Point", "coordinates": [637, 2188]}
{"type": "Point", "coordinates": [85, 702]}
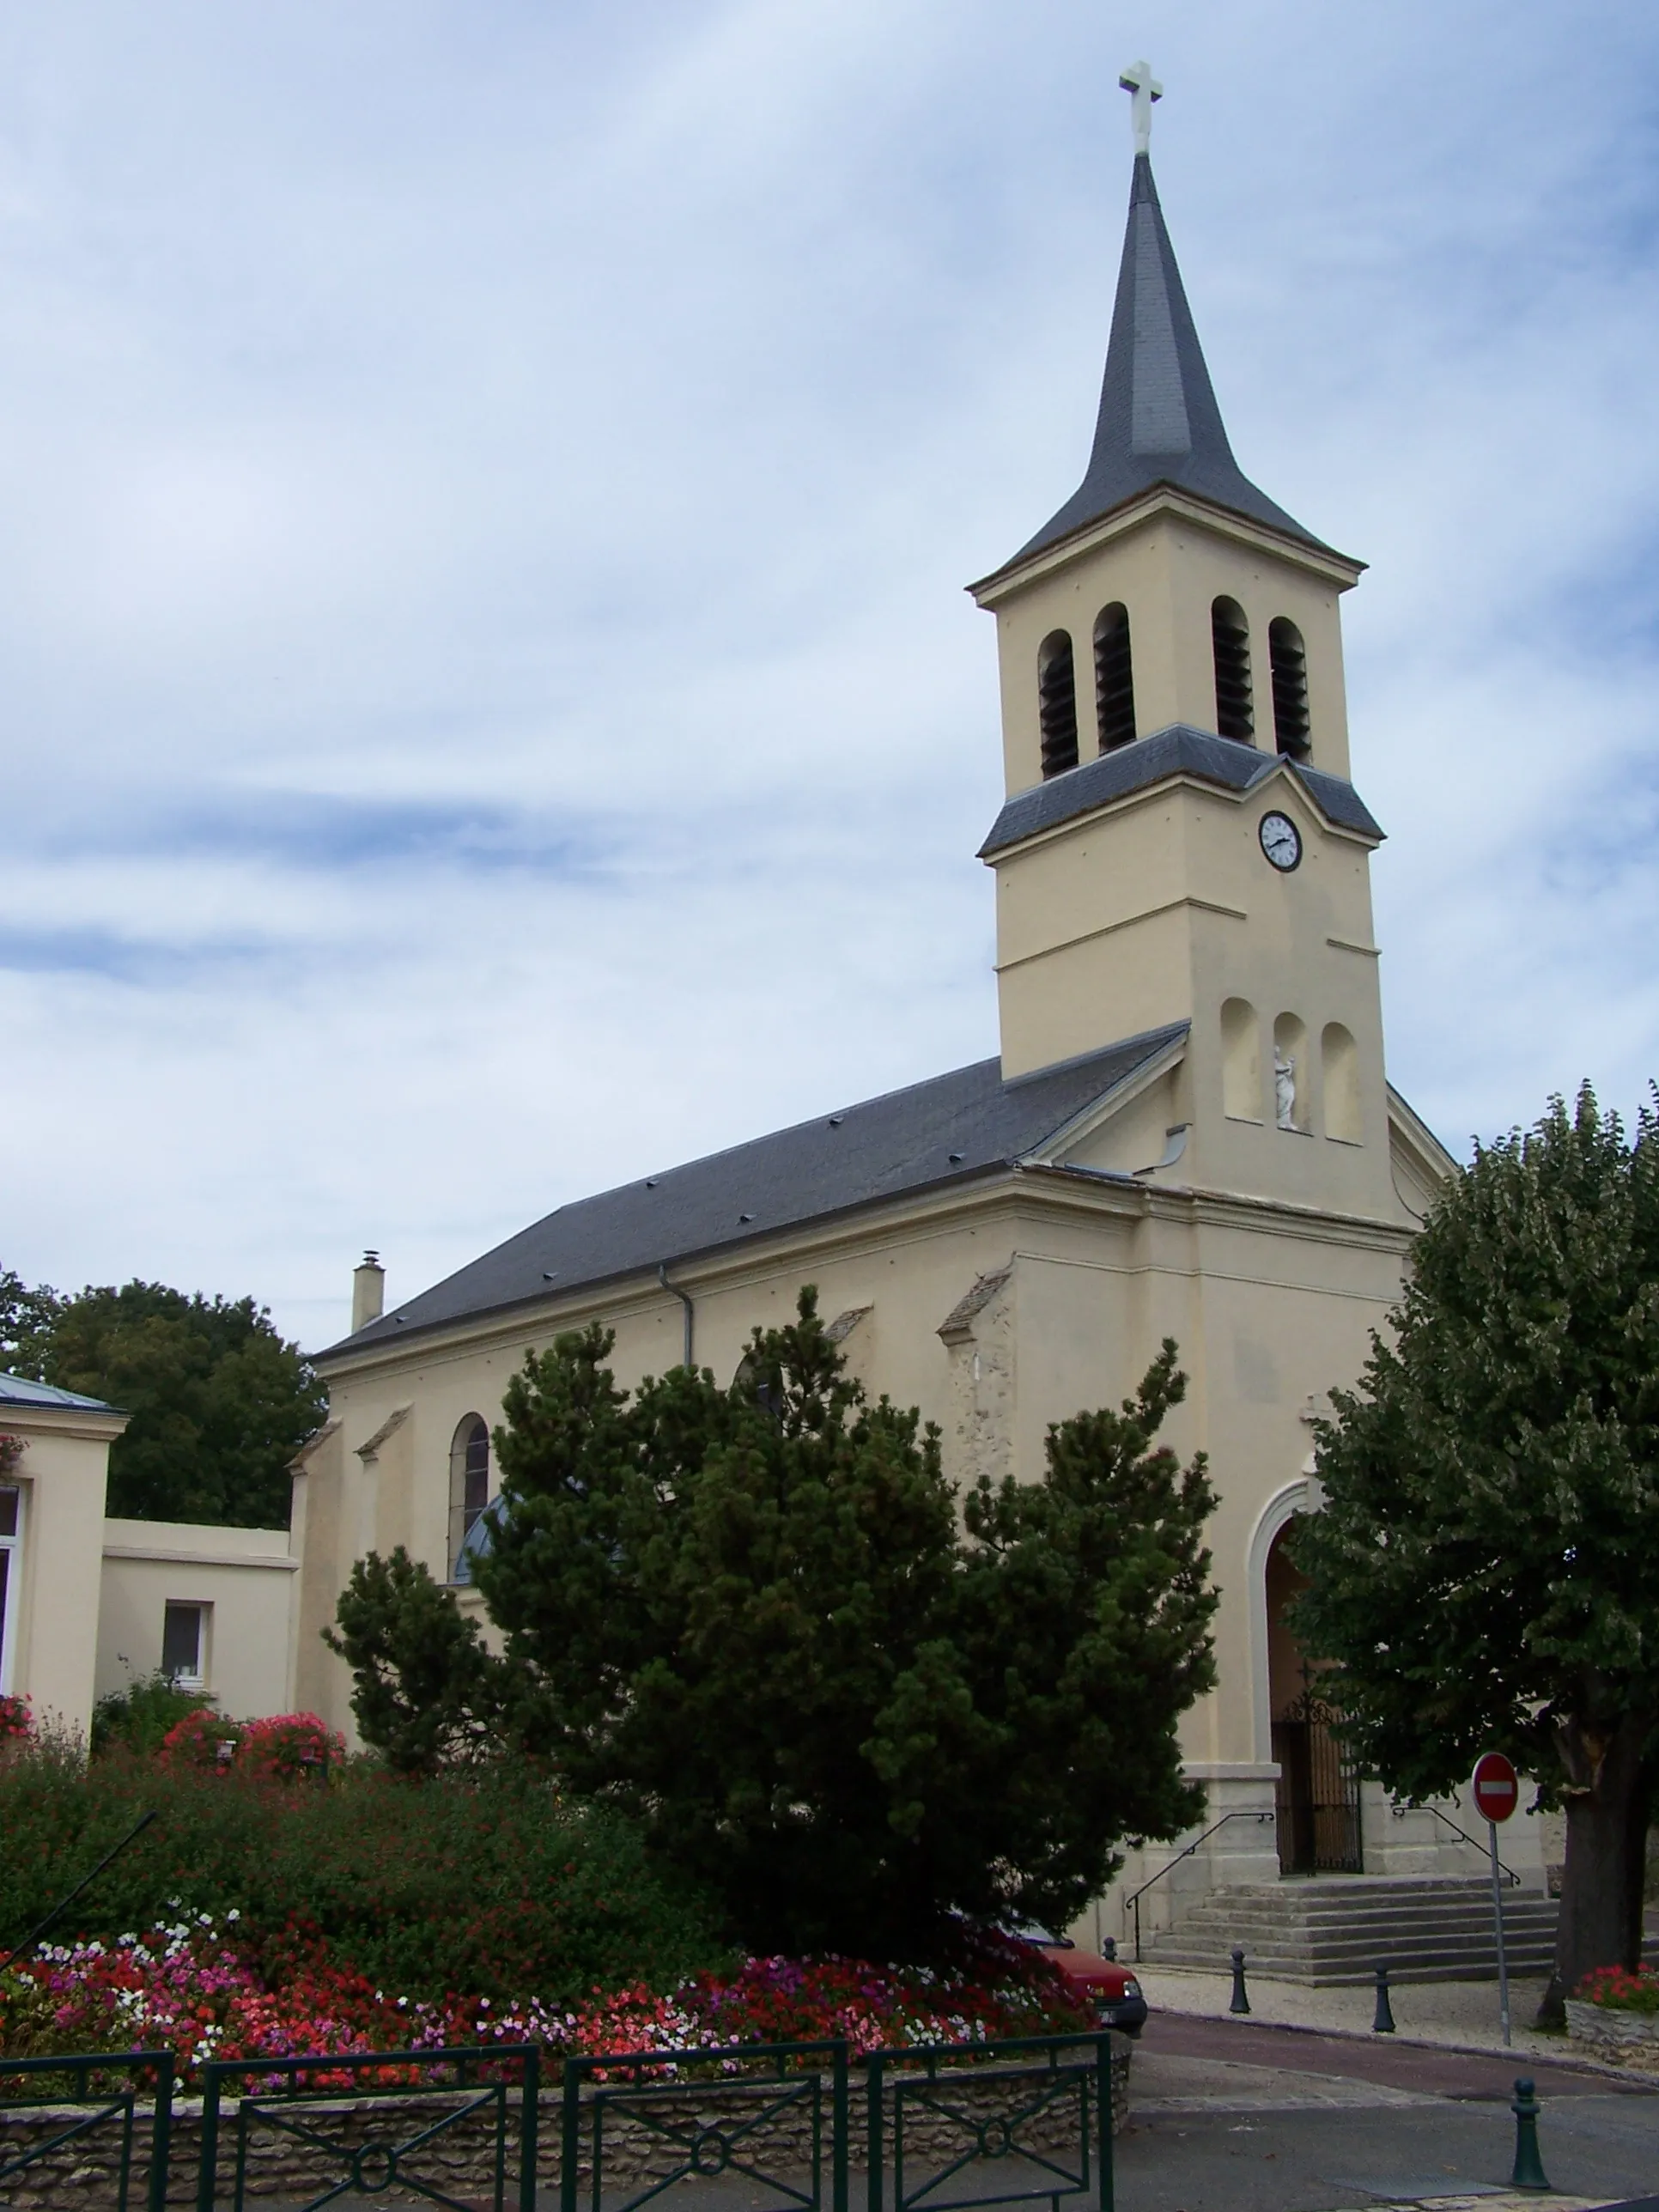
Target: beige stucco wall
{"type": "Point", "coordinates": [1268, 1309]}
{"type": "Point", "coordinates": [62, 1478]}
{"type": "Point", "coordinates": [246, 1577]}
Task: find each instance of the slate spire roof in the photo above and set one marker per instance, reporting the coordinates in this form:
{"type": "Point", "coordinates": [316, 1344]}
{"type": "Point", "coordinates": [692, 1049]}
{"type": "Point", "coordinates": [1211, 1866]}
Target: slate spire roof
{"type": "Point", "coordinates": [1159, 422]}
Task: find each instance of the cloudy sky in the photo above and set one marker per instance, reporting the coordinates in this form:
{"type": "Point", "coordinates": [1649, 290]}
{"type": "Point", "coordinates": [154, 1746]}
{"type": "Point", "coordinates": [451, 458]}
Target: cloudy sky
{"type": "Point", "coordinates": [487, 702]}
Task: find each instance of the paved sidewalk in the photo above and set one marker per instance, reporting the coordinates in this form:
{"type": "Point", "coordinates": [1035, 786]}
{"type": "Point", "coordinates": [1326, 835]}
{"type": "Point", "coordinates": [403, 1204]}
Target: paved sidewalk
{"type": "Point", "coordinates": [1239, 2116]}
{"type": "Point", "coordinates": [1455, 2071]}
{"type": "Point", "coordinates": [1460, 2013]}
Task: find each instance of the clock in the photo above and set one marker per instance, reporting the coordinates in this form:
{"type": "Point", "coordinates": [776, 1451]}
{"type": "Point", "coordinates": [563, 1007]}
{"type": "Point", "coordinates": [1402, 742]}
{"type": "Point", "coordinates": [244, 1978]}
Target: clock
{"type": "Point", "coordinates": [1281, 841]}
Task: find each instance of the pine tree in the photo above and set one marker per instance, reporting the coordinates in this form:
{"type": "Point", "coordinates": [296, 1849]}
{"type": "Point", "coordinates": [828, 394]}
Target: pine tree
{"type": "Point", "coordinates": [1485, 1572]}
{"type": "Point", "coordinates": [752, 1617]}
{"type": "Point", "coordinates": [428, 1691]}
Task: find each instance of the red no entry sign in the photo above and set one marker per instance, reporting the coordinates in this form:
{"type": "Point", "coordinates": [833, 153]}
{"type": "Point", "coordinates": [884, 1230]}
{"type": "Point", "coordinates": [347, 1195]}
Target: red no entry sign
{"type": "Point", "coordinates": [1497, 1787]}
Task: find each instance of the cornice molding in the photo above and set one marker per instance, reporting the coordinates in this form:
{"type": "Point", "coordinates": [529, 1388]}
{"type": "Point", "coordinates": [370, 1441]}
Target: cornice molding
{"type": "Point", "coordinates": [1139, 513]}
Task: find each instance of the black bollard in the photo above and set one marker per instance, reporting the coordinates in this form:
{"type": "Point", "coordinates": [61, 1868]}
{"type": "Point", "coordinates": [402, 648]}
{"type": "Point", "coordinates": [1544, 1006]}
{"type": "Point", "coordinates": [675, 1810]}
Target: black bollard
{"type": "Point", "coordinates": [1528, 2167]}
{"type": "Point", "coordinates": [1241, 1995]}
{"type": "Point", "coordinates": [1109, 1950]}
{"type": "Point", "coordinates": [1382, 2021]}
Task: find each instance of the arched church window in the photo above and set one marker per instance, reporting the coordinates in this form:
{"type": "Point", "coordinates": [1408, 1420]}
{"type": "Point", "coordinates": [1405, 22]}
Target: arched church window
{"type": "Point", "coordinates": [1339, 1069]}
{"type": "Point", "coordinates": [1235, 708]}
{"type": "Point", "coordinates": [1289, 659]}
{"type": "Point", "coordinates": [1115, 680]}
{"type": "Point", "coordinates": [1057, 702]}
{"type": "Point", "coordinates": [469, 1482]}
{"type": "Point", "coordinates": [1241, 1061]}
{"type": "Point", "coordinates": [1291, 1083]}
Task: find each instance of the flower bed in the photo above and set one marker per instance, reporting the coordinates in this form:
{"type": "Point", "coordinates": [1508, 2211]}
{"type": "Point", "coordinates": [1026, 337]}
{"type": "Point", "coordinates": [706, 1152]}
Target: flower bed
{"type": "Point", "coordinates": [1615, 1989]}
{"type": "Point", "coordinates": [1616, 2013]}
{"type": "Point", "coordinates": [203, 1989]}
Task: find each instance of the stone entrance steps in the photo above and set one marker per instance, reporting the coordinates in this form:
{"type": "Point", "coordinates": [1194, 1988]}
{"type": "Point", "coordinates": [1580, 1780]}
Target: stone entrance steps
{"type": "Point", "coordinates": [1333, 1930]}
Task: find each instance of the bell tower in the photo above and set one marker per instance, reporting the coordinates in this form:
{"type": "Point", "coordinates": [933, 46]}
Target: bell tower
{"type": "Point", "coordinates": [1182, 844]}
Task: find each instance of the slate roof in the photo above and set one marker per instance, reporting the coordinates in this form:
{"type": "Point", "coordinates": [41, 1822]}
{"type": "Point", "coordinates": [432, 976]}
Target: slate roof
{"type": "Point", "coordinates": [1158, 420]}
{"type": "Point", "coordinates": [1179, 749]}
{"type": "Point", "coordinates": [953, 1129]}
{"type": "Point", "coordinates": [22, 1390]}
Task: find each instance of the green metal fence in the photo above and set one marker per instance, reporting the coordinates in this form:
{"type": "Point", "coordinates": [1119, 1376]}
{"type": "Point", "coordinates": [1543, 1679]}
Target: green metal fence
{"type": "Point", "coordinates": [753, 2113]}
{"type": "Point", "coordinates": [1010, 2122]}
{"type": "Point", "coordinates": [962, 2127]}
{"type": "Point", "coordinates": [83, 2099]}
{"type": "Point", "coordinates": [341, 2115]}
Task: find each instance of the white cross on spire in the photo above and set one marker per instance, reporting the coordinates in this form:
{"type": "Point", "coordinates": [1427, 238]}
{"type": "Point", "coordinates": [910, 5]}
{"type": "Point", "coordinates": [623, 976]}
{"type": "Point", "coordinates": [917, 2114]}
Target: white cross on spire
{"type": "Point", "coordinates": [1138, 79]}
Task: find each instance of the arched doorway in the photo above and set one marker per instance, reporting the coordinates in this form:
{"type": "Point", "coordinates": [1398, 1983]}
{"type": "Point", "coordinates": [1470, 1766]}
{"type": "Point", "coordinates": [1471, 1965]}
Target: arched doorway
{"type": "Point", "coordinates": [1317, 1793]}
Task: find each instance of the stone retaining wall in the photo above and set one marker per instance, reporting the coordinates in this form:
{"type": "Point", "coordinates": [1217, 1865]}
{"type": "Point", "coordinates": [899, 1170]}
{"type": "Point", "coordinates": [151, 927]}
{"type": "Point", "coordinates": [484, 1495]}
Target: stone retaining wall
{"type": "Point", "coordinates": [1618, 2038]}
{"type": "Point", "coordinates": [460, 2158]}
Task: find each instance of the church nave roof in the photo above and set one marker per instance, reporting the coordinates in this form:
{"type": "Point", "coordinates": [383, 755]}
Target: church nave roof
{"type": "Point", "coordinates": [949, 1129]}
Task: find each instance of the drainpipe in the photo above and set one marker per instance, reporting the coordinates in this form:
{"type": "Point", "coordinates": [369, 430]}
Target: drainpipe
{"type": "Point", "coordinates": [690, 1310]}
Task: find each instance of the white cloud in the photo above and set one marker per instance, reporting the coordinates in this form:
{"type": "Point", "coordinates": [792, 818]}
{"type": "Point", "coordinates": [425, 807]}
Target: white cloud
{"type": "Point", "coordinates": [488, 703]}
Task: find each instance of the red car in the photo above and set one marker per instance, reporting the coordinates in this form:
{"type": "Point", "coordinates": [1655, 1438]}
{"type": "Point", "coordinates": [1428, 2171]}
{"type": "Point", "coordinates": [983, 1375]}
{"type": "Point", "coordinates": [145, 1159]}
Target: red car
{"type": "Point", "coordinates": [1101, 1985]}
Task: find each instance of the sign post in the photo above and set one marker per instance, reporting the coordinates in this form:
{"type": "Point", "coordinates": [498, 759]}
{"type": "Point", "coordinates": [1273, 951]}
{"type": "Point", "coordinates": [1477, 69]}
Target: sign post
{"type": "Point", "coordinates": [1496, 1791]}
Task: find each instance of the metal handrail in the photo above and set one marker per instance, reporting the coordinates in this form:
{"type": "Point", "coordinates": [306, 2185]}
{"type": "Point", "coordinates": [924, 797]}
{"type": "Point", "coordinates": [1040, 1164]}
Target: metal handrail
{"type": "Point", "coordinates": [1133, 1900]}
{"type": "Point", "coordinates": [1400, 1811]}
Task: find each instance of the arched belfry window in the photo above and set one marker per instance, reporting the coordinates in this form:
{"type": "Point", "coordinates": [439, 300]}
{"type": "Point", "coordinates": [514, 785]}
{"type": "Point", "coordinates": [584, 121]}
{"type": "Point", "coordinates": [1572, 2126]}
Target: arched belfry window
{"type": "Point", "coordinates": [469, 1483]}
{"type": "Point", "coordinates": [1114, 678]}
{"type": "Point", "coordinates": [1235, 709]}
{"type": "Point", "coordinates": [1289, 657]}
{"type": "Point", "coordinates": [1057, 702]}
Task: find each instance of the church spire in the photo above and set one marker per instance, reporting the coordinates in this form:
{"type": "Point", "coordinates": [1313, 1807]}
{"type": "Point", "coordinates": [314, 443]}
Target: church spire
{"type": "Point", "coordinates": [1159, 422]}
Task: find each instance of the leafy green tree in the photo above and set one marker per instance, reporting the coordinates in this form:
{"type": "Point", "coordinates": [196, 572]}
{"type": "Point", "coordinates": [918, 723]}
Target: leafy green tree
{"type": "Point", "coordinates": [428, 1693]}
{"type": "Point", "coordinates": [1485, 1572]}
{"type": "Point", "coordinates": [752, 1620]}
{"type": "Point", "coordinates": [219, 1402]}
{"type": "Point", "coordinates": [26, 1324]}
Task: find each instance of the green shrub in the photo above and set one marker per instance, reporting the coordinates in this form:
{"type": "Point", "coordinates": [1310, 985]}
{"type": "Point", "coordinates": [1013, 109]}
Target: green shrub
{"type": "Point", "coordinates": [138, 1717]}
{"type": "Point", "coordinates": [490, 1882]}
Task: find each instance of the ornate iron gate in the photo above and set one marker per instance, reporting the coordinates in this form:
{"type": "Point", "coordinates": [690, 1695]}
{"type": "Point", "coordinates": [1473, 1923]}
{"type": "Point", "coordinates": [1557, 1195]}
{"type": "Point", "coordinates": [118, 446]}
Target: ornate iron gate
{"type": "Point", "coordinates": [1318, 1792]}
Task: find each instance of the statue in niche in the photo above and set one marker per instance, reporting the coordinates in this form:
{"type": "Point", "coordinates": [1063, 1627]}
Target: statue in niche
{"type": "Point", "coordinates": [1285, 1090]}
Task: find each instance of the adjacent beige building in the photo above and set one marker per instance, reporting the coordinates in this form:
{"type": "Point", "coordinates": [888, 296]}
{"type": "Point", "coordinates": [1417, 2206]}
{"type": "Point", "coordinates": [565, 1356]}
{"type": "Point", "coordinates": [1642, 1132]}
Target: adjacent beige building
{"type": "Point", "coordinates": [52, 1533]}
{"type": "Point", "coordinates": [213, 1607]}
{"type": "Point", "coordinates": [88, 1605]}
{"type": "Point", "coordinates": [1187, 1129]}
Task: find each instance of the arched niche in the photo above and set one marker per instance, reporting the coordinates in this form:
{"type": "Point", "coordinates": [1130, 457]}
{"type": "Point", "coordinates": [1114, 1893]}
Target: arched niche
{"type": "Point", "coordinates": [1340, 1084]}
{"type": "Point", "coordinates": [1292, 1074]}
{"type": "Point", "coordinates": [1241, 1061]}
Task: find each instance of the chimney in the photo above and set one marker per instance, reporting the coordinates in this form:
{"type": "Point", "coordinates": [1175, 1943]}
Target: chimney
{"type": "Point", "coordinates": [368, 1291]}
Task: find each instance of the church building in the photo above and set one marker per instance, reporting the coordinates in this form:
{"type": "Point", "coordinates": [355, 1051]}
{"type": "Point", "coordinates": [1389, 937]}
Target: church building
{"type": "Point", "coordinates": [1187, 1129]}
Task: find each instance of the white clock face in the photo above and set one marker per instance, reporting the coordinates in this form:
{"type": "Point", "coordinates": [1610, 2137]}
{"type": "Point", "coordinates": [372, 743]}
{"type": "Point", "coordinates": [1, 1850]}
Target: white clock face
{"type": "Point", "coordinates": [1281, 841]}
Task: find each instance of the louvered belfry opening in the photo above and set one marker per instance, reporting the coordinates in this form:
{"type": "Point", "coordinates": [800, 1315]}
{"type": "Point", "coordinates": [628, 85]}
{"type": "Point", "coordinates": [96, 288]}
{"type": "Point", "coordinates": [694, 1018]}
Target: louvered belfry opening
{"type": "Point", "coordinates": [1114, 677]}
{"type": "Point", "coordinates": [1057, 702]}
{"type": "Point", "coordinates": [1234, 712]}
{"type": "Point", "coordinates": [1289, 657]}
